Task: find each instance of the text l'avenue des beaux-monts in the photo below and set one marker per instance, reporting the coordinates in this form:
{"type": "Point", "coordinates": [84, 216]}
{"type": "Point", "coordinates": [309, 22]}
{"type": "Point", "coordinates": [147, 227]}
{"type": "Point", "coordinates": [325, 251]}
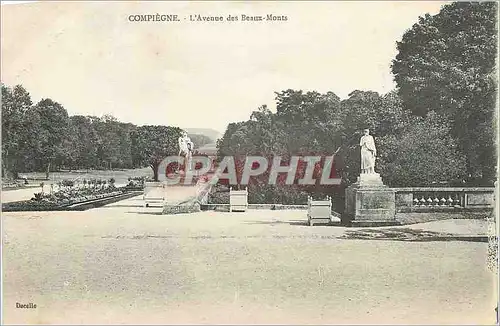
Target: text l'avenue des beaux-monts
{"type": "Point", "coordinates": [234, 18]}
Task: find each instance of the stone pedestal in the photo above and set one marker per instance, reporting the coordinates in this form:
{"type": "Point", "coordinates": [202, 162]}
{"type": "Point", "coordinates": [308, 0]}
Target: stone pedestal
{"type": "Point", "coordinates": [370, 202]}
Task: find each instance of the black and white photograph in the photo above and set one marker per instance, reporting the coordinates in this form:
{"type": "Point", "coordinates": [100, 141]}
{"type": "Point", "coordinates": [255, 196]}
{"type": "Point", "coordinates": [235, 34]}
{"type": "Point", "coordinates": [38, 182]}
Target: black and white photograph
{"type": "Point", "coordinates": [249, 162]}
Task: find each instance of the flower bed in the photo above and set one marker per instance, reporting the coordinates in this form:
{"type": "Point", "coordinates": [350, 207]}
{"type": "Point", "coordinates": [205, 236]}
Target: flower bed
{"type": "Point", "coordinates": [136, 183]}
{"type": "Point", "coordinates": [62, 199]}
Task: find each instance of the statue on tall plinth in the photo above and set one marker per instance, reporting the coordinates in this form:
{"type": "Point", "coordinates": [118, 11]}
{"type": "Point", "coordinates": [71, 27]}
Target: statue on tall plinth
{"type": "Point", "coordinates": [369, 201]}
{"type": "Point", "coordinates": [186, 147]}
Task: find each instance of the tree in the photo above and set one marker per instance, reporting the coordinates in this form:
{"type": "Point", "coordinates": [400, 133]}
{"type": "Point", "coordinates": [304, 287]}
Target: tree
{"type": "Point", "coordinates": [424, 155]}
{"type": "Point", "coordinates": [109, 130]}
{"type": "Point", "coordinates": [413, 151]}
{"type": "Point", "coordinates": [48, 125]}
{"type": "Point", "coordinates": [84, 141]}
{"type": "Point", "coordinates": [224, 145]}
{"type": "Point", "coordinates": [304, 124]}
{"type": "Point", "coordinates": [310, 120]}
{"type": "Point", "coordinates": [125, 145]}
{"type": "Point", "coordinates": [200, 140]}
{"type": "Point", "coordinates": [152, 144]}
{"type": "Point", "coordinates": [446, 63]}
{"type": "Point", "coordinates": [16, 102]}
{"type": "Point", "coordinates": [383, 115]}
{"type": "Point", "coordinates": [43, 137]}
{"type": "Point", "coordinates": [72, 146]}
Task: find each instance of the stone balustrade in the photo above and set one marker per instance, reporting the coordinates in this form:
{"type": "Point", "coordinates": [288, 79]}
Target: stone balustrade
{"type": "Point", "coordinates": [427, 199]}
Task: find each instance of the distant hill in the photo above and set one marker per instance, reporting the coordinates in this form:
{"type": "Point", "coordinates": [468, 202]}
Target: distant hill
{"type": "Point", "coordinates": [211, 133]}
{"type": "Point", "coordinates": [209, 149]}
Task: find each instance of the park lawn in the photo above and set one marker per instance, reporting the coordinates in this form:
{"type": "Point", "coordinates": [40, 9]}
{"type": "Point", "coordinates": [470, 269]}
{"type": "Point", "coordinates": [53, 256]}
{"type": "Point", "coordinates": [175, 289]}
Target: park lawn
{"type": "Point", "coordinates": [121, 176]}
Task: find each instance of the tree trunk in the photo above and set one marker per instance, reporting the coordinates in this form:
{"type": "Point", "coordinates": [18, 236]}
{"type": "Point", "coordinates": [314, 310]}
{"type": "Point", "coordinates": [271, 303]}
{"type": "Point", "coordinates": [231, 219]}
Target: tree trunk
{"type": "Point", "coordinates": [155, 171]}
{"type": "Point", "coordinates": [4, 170]}
{"type": "Point", "coordinates": [47, 172]}
{"type": "Point", "coordinates": [9, 169]}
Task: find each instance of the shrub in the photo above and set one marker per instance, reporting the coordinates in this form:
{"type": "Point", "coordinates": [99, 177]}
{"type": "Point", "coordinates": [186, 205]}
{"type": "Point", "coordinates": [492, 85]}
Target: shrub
{"type": "Point", "coordinates": [38, 196]}
{"type": "Point", "coordinates": [218, 198]}
{"type": "Point", "coordinates": [67, 183]}
{"type": "Point", "coordinates": [424, 154]}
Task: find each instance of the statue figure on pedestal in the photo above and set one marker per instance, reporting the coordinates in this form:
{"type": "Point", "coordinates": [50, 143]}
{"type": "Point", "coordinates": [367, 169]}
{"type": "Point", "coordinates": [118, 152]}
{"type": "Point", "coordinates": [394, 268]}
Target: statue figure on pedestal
{"type": "Point", "coordinates": [186, 147]}
{"type": "Point", "coordinates": [368, 200]}
{"type": "Point", "coordinates": [368, 153]}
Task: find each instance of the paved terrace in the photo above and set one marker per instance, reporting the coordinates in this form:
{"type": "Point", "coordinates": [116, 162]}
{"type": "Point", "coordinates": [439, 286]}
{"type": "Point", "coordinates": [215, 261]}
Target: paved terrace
{"type": "Point", "coordinates": [120, 264]}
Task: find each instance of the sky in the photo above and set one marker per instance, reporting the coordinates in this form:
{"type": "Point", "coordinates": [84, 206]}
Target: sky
{"type": "Point", "coordinates": [90, 58]}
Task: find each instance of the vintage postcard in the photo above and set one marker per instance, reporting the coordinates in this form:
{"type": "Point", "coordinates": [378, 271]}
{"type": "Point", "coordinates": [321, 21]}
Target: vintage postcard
{"type": "Point", "coordinates": [249, 162]}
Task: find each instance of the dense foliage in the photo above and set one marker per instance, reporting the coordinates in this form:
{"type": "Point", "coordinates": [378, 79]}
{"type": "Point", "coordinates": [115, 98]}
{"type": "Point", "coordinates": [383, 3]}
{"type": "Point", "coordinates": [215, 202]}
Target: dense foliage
{"type": "Point", "coordinates": [446, 64]}
{"type": "Point", "coordinates": [42, 137]}
{"type": "Point", "coordinates": [435, 129]}
{"type": "Point", "coordinates": [152, 144]}
{"type": "Point", "coordinates": [413, 151]}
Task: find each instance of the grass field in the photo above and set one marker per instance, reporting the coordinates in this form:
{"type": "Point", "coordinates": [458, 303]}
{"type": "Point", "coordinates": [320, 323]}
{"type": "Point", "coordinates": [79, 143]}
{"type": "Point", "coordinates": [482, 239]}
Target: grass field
{"type": "Point", "coordinates": [121, 176]}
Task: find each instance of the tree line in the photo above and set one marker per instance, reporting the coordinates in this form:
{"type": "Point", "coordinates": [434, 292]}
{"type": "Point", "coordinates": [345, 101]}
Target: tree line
{"type": "Point", "coordinates": [436, 128]}
{"type": "Point", "coordinates": [43, 137]}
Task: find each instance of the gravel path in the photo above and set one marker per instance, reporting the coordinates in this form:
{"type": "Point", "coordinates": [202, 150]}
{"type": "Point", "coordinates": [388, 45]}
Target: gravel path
{"type": "Point", "coordinates": [118, 265]}
{"type": "Point", "coordinates": [20, 194]}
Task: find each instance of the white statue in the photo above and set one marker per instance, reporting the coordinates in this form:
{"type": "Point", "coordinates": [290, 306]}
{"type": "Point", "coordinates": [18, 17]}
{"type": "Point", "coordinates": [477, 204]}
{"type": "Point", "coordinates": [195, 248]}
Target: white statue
{"type": "Point", "coordinates": [368, 153]}
{"type": "Point", "coordinates": [186, 147]}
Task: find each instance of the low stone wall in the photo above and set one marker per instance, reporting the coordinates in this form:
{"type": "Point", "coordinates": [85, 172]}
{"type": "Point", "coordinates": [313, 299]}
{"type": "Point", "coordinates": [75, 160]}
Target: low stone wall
{"type": "Point", "coordinates": [414, 218]}
{"type": "Point", "coordinates": [102, 202]}
{"type": "Point", "coordinates": [225, 207]}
